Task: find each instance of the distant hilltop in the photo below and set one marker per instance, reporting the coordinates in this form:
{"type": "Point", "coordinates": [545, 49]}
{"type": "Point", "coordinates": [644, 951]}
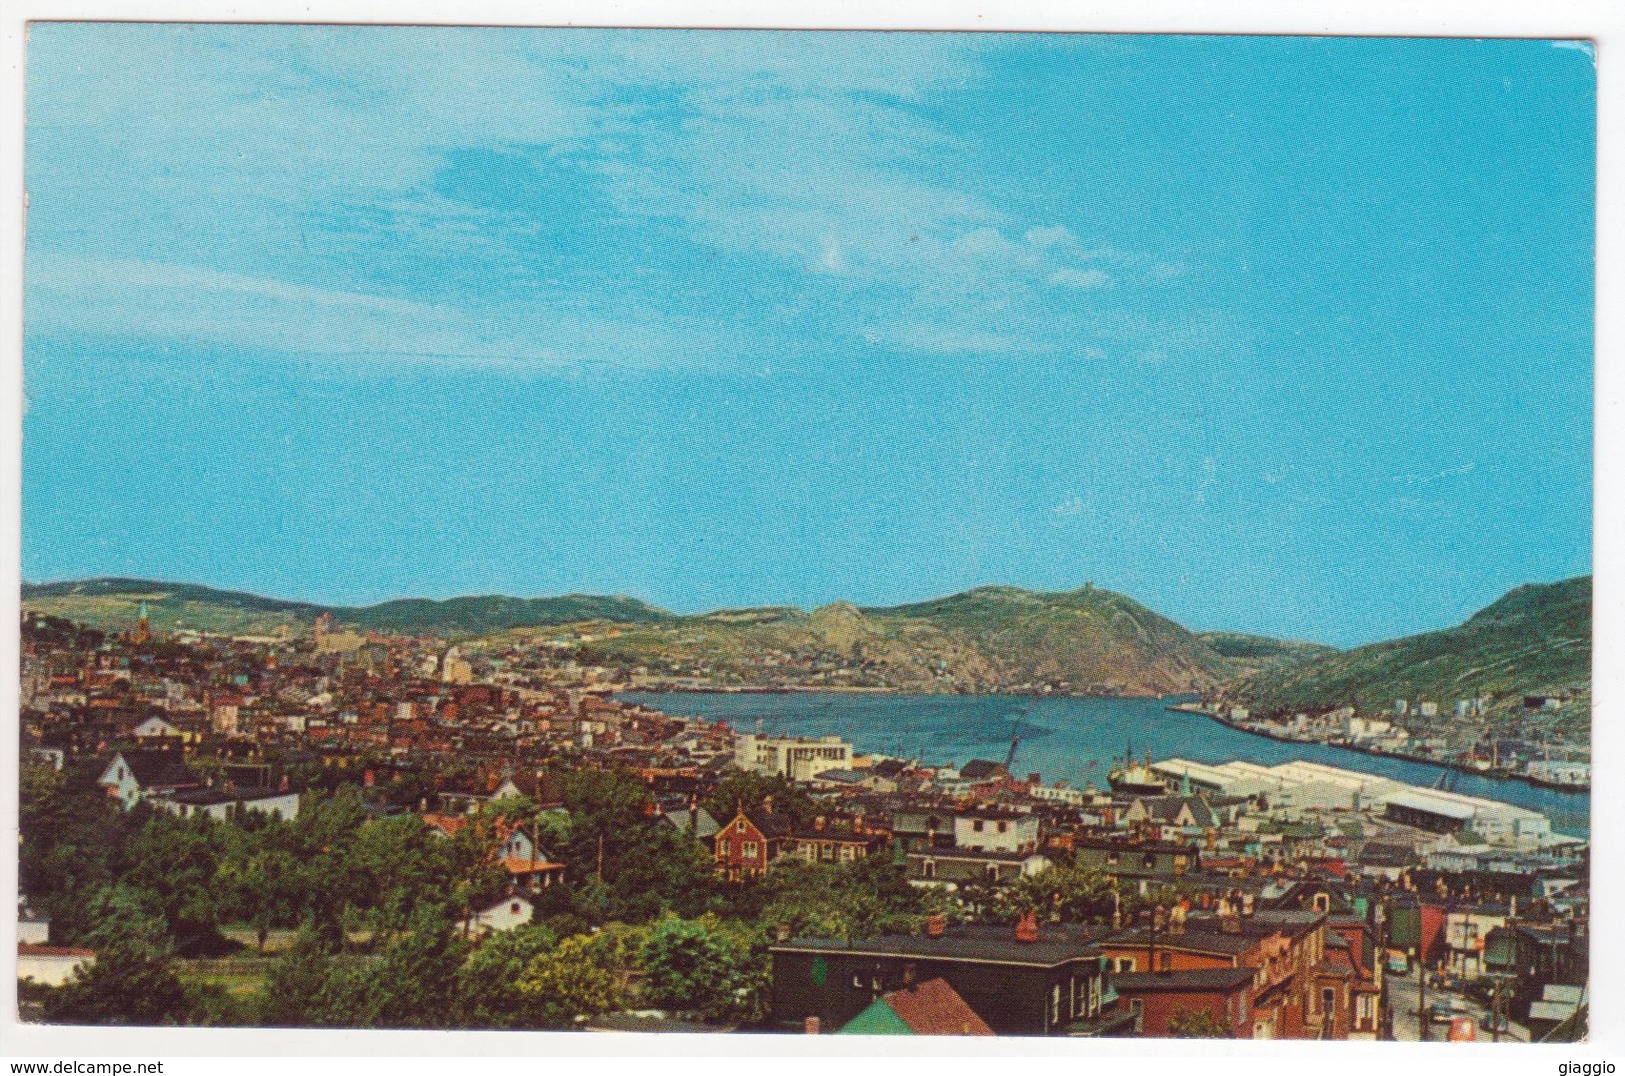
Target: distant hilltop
{"type": "Point", "coordinates": [1084, 641]}
{"type": "Point", "coordinates": [1534, 640]}
{"type": "Point", "coordinates": [1088, 641]}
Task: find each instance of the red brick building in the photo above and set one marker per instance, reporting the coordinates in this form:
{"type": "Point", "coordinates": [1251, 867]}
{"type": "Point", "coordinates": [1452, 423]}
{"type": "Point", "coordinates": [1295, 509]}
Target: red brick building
{"type": "Point", "coordinates": [749, 843]}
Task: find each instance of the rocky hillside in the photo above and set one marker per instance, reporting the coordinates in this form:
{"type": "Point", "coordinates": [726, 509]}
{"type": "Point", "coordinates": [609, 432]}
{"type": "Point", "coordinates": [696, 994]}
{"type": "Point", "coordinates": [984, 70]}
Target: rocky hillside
{"type": "Point", "coordinates": [1086, 641]}
{"type": "Point", "coordinates": [1536, 638]}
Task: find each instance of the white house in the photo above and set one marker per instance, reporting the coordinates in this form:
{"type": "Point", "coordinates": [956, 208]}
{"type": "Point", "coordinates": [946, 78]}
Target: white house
{"type": "Point", "coordinates": [996, 831]}
{"type": "Point", "coordinates": [221, 804]}
{"type": "Point", "coordinates": [513, 910]}
{"type": "Point", "coordinates": [132, 776]}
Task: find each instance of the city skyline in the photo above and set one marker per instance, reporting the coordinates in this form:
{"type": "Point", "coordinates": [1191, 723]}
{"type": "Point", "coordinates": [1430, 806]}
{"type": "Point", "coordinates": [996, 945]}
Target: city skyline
{"type": "Point", "coordinates": [1288, 336]}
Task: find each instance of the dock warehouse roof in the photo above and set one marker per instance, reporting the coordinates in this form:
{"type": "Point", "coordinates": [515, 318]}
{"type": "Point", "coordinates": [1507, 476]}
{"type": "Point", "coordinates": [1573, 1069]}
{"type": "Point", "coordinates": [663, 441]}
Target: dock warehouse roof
{"type": "Point", "coordinates": [1420, 801]}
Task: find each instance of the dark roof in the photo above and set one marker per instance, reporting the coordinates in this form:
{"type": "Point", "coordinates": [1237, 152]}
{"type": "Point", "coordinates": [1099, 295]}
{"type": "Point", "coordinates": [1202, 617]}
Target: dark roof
{"type": "Point", "coordinates": [1195, 941]}
{"type": "Point", "coordinates": [1386, 855]}
{"type": "Point", "coordinates": [771, 825]}
{"type": "Point", "coordinates": [203, 797]}
{"type": "Point", "coordinates": [981, 769]}
{"type": "Point", "coordinates": [1196, 979]}
{"type": "Point", "coordinates": [982, 944]}
{"type": "Point", "coordinates": [707, 826]}
{"type": "Point", "coordinates": [976, 854]}
{"type": "Point", "coordinates": [1164, 847]}
{"type": "Point", "coordinates": [159, 769]}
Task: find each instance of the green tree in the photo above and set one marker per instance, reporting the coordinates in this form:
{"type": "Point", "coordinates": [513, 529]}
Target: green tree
{"type": "Point", "coordinates": [568, 982]}
{"type": "Point", "coordinates": [488, 985]}
{"type": "Point", "coordinates": [742, 788]}
{"type": "Point", "coordinates": [415, 980]}
{"type": "Point", "coordinates": [1196, 1024]}
{"type": "Point", "coordinates": [132, 981]}
{"type": "Point", "coordinates": [1063, 894]}
{"type": "Point", "coordinates": [698, 966]}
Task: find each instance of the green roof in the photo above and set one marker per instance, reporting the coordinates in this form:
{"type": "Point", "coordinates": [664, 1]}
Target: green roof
{"type": "Point", "coordinates": [878, 1019]}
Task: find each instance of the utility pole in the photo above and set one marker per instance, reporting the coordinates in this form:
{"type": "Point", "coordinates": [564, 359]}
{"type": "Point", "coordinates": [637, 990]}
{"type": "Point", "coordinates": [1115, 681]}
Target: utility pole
{"type": "Point", "coordinates": [1495, 1012]}
{"type": "Point", "coordinates": [1421, 991]}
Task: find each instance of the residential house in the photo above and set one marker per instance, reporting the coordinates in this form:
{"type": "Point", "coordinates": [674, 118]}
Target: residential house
{"type": "Point", "coordinates": [749, 843]}
{"type": "Point", "coordinates": [134, 775]}
{"type": "Point", "coordinates": [952, 868]}
{"type": "Point", "coordinates": [836, 842]}
{"type": "Point", "coordinates": [1156, 999]}
{"type": "Point", "coordinates": [992, 830]}
{"type": "Point", "coordinates": [512, 909]}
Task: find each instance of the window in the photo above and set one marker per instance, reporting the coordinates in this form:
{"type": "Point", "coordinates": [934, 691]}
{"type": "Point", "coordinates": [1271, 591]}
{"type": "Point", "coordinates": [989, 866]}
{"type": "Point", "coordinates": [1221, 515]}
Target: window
{"type": "Point", "coordinates": [1165, 961]}
{"type": "Point", "coordinates": [1111, 859]}
{"type": "Point", "coordinates": [1328, 1001]}
{"type": "Point", "coordinates": [1150, 861]}
{"type": "Point", "coordinates": [928, 869]}
{"type": "Point", "coordinates": [750, 849]}
{"type": "Point", "coordinates": [1126, 963]}
{"type": "Point", "coordinates": [1137, 1007]}
{"type": "Point", "coordinates": [1003, 826]}
{"type": "Point", "coordinates": [1323, 902]}
{"type": "Point", "coordinates": [977, 825]}
{"type": "Point", "coordinates": [740, 828]}
{"type": "Point", "coordinates": [857, 982]}
{"type": "Point", "coordinates": [513, 908]}
{"type": "Point", "coordinates": [1055, 1004]}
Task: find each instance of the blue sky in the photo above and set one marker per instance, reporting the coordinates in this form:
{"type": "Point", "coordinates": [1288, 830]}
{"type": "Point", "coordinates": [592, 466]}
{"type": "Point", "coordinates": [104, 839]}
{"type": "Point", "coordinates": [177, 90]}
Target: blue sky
{"type": "Point", "coordinates": [1281, 335]}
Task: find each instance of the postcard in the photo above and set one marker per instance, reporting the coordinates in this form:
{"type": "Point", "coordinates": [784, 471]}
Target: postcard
{"type": "Point", "coordinates": [807, 533]}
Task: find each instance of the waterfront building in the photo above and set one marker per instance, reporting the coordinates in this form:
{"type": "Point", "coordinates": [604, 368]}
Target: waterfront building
{"type": "Point", "coordinates": [798, 758]}
{"type": "Point", "coordinates": [1444, 812]}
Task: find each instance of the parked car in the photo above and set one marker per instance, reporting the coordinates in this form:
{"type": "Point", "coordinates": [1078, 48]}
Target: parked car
{"type": "Point", "coordinates": [1442, 1012]}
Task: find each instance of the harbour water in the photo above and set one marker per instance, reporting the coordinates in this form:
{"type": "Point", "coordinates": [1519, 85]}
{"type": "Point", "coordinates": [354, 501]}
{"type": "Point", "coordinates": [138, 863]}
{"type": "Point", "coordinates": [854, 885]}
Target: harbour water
{"type": "Point", "coordinates": [1068, 738]}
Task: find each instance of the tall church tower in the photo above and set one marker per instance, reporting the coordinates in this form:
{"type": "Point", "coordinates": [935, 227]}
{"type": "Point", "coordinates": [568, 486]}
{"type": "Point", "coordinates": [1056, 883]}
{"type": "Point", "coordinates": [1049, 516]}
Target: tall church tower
{"type": "Point", "coordinates": [143, 627]}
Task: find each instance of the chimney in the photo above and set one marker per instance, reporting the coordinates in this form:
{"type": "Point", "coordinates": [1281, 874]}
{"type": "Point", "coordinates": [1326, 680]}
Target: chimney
{"type": "Point", "coordinates": [767, 805]}
{"type": "Point", "coordinates": [1027, 928]}
{"type": "Point", "coordinates": [935, 925]}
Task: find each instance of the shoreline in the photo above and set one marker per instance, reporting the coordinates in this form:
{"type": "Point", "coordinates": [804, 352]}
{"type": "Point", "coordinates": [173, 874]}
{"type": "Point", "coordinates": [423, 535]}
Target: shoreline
{"type": "Point", "coordinates": [1428, 760]}
{"type": "Point", "coordinates": [826, 689]}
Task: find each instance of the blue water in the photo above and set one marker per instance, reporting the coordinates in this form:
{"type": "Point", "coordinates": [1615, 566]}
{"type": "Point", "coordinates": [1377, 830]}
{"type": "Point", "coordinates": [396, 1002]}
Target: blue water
{"type": "Point", "coordinates": [1074, 739]}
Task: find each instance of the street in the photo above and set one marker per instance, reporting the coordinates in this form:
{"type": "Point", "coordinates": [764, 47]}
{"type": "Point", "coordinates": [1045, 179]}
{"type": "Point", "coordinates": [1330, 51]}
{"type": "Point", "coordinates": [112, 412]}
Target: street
{"type": "Point", "coordinates": [1402, 997]}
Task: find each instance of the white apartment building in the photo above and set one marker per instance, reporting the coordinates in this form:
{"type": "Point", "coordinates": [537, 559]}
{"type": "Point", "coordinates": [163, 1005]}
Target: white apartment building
{"type": "Point", "coordinates": [797, 758]}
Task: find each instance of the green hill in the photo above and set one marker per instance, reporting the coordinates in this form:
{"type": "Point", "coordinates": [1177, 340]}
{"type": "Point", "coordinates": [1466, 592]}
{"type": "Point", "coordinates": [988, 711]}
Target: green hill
{"type": "Point", "coordinates": [1256, 653]}
{"type": "Point", "coordinates": [488, 614]}
{"type": "Point", "coordinates": [992, 638]}
{"type": "Point", "coordinates": [1535, 638]}
{"type": "Point", "coordinates": [115, 604]}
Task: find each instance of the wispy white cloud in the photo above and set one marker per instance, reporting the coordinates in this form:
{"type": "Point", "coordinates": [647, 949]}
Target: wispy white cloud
{"type": "Point", "coordinates": [151, 299]}
{"type": "Point", "coordinates": [267, 153]}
